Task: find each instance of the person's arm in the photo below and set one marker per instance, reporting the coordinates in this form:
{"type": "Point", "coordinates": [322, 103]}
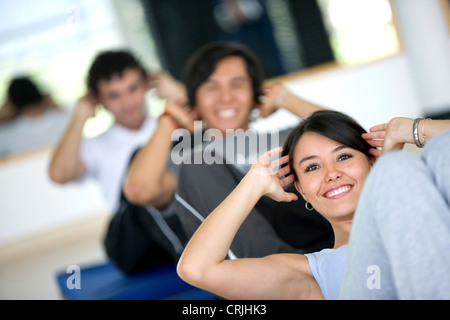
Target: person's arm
{"type": "Point", "coordinates": [398, 131]}
{"type": "Point", "coordinates": [279, 96]}
{"type": "Point", "coordinates": [148, 182]}
{"type": "Point", "coordinates": [66, 165]}
{"type": "Point", "coordinates": [280, 276]}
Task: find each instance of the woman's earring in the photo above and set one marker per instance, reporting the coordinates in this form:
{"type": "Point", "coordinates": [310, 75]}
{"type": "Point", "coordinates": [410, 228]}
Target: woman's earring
{"type": "Point", "coordinates": [307, 207]}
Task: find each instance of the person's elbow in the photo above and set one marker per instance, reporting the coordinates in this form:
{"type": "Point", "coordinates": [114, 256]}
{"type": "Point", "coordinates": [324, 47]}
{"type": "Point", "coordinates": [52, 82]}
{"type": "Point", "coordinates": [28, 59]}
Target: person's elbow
{"type": "Point", "coordinates": [148, 192]}
{"type": "Point", "coordinates": [57, 175]}
{"type": "Point", "coordinates": [190, 272]}
{"type": "Point", "coordinates": [63, 174]}
{"type": "Point", "coordinates": [136, 192]}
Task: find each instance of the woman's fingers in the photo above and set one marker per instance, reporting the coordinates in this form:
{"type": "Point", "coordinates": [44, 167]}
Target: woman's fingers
{"type": "Point", "coordinates": [279, 172]}
{"type": "Point", "coordinates": [287, 180]}
{"type": "Point", "coordinates": [273, 152]}
{"type": "Point", "coordinates": [374, 135]}
{"type": "Point", "coordinates": [376, 143]}
{"type": "Point", "coordinates": [264, 160]}
{"type": "Point", "coordinates": [376, 138]}
{"type": "Point", "coordinates": [277, 167]}
{"type": "Point", "coordinates": [380, 127]}
{"type": "Point", "coordinates": [376, 152]}
{"type": "Point", "coordinates": [290, 197]}
{"type": "Point", "coordinates": [284, 171]}
{"type": "Point", "coordinates": [279, 162]}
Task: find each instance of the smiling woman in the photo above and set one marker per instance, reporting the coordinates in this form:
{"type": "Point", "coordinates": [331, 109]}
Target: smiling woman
{"type": "Point", "coordinates": [331, 180]}
{"type": "Point", "coordinates": [331, 174]}
{"type": "Point", "coordinates": [321, 166]}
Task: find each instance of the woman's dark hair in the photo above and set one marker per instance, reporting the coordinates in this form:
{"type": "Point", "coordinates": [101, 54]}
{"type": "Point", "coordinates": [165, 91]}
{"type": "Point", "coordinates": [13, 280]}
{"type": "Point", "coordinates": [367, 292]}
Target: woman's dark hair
{"type": "Point", "coordinates": [108, 64]}
{"type": "Point", "coordinates": [333, 125]}
{"type": "Point", "coordinates": [204, 61]}
{"type": "Point", "coordinates": [22, 92]}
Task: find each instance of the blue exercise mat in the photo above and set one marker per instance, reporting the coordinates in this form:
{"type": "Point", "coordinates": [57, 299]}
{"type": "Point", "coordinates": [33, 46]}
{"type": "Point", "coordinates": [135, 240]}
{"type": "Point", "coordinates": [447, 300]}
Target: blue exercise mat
{"type": "Point", "coordinates": [104, 281]}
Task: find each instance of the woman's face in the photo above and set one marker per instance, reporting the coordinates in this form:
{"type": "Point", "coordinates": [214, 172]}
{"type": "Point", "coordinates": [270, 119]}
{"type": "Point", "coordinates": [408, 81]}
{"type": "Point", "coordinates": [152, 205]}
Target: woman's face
{"type": "Point", "coordinates": [331, 175]}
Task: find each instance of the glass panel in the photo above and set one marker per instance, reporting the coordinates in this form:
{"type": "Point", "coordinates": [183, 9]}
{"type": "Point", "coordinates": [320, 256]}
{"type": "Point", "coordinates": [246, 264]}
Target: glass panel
{"type": "Point", "coordinates": [360, 30]}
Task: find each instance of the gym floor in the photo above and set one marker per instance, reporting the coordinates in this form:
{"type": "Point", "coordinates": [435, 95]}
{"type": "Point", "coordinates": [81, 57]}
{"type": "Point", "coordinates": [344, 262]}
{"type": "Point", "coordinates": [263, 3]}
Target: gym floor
{"type": "Point", "coordinates": [28, 272]}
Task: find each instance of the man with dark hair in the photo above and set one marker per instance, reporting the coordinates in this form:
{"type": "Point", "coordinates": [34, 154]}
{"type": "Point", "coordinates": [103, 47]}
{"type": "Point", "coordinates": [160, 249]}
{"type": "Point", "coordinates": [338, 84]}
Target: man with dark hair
{"type": "Point", "coordinates": [118, 82]}
{"type": "Point", "coordinates": [224, 84]}
{"type": "Point", "coordinates": [229, 86]}
{"type": "Point", "coordinates": [109, 64]}
{"type": "Point", "coordinates": [203, 62]}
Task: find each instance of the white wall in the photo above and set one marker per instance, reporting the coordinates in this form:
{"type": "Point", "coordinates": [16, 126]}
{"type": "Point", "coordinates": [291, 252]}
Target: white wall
{"type": "Point", "coordinates": [31, 203]}
{"type": "Point", "coordinates": [372, 94]}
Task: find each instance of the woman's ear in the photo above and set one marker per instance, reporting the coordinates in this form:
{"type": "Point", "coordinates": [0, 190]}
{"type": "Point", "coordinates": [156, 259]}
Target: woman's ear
{"type": "Point", "coordinates": [373, 160]}
{"type": "Point", "coordinates": [299, 189]}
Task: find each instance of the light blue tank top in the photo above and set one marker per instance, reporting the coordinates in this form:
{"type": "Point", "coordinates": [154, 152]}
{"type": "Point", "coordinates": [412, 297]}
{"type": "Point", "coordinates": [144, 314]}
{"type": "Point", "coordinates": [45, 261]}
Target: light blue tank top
{"type": "Point", "coordinates": [328, 267]}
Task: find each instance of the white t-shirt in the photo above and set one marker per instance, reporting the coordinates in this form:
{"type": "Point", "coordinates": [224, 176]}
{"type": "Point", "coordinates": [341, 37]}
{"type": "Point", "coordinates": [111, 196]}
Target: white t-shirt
{"type": "Point", "coordinates": [328, 267]}
{"type": "Point", "coordinates": [107, 156]}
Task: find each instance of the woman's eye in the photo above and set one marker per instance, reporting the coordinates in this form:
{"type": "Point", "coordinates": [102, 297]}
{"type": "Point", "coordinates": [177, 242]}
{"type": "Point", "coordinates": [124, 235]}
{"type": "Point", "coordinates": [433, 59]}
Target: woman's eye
{"type": "Point", "coordinates": [311, 167]}
{"type": "Point", "coordinates": [344, 157]}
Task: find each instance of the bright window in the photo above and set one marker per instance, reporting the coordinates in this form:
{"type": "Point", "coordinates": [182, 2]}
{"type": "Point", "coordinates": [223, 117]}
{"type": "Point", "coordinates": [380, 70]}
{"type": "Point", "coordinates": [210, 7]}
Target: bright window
{"type": "Point", "coordinates": [360, 30]}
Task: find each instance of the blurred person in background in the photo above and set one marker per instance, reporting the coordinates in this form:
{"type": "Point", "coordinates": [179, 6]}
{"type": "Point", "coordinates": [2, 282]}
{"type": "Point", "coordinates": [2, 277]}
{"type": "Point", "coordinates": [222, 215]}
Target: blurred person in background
{"type": "Point", "coordinates": [224, 84]}
{"type": "Point", "coordinates": [118, 82]}
{"type": "Point", "coordinates": [29, 118]}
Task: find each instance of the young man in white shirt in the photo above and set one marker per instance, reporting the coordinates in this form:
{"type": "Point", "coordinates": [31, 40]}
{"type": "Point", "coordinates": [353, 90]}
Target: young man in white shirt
{"type": "Point", "coordinates": [118, 82]}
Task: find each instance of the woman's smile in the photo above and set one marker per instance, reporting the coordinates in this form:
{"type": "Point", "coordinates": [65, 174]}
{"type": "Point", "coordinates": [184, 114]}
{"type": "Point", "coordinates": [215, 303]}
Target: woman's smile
{"type": "Point", "coordinates": [328, 170]}
{"type": "Point", "coordinates": [338, 192]}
